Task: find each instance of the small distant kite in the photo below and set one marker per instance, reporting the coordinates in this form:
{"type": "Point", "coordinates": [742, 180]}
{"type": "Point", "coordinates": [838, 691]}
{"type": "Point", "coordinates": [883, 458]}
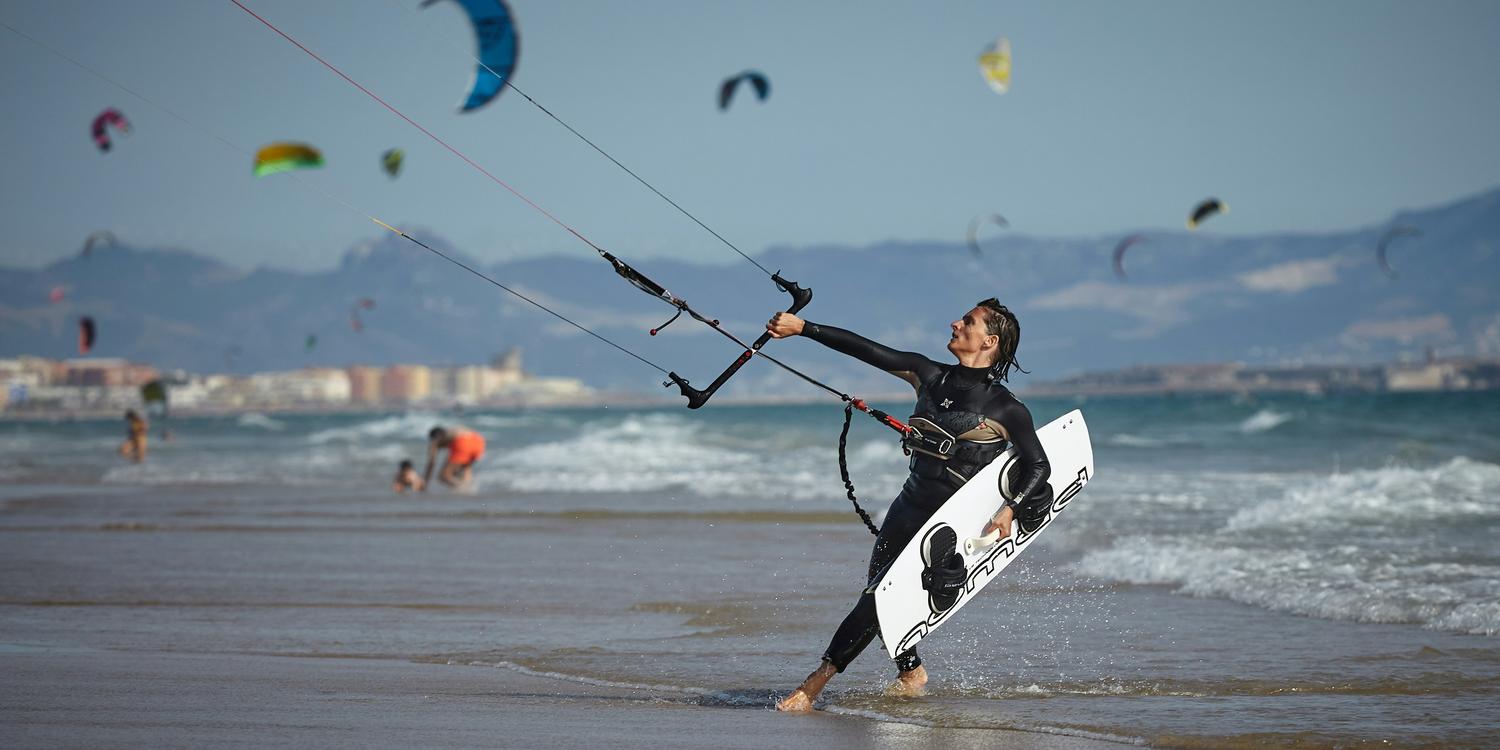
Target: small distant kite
{"type": "Point", "coordinates": [104, 237]}
{"type": "Point", "coordinates": [1206, 209]}
{"type": "Point", "coordinates": [757, 79]}
{"type": "Point", "coordinates": [102, 123]}
{"type": "Point", "coordinates": [86, 334]}
{"type": "Point", "coordinates": [364, 303]}
{"type": "Point", "coordinates": [499, 46]}
{"type": "Point", "coordinates": [994, 65]}
{"type": "Point", "coordinates": [284, 157]}
{"type": "Point", "coordinates": [1385, 241]}
{"type": "Point", "coordinates": [232, 355]}
{"type": "Point", "coordinates": [979, 221]}
{"type": "Point", "coordinates": [56, 295]}
{"type": "Point", "coordinates": [391, 161]}
{"type": "Point", "coordinates": [311, 342]}
{"type": "Point", "coordinates": [1120, 249]}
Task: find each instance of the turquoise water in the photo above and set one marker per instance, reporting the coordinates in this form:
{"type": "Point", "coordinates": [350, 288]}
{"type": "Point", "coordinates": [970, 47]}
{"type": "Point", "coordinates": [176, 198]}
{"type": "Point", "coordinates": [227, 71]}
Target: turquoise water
{"type": "Point", "coordinates": [1312, 570]}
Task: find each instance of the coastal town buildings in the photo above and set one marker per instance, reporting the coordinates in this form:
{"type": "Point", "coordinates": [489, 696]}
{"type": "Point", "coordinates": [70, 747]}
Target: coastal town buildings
{"type": "Point", "coordinates": [405, 384]}
{"type": "Point", "coordinates": [36, 386]}
{"type": "Point", "coordinates": [316, 385]}
{"type": "Point", "coordinates": [1239, 378]}
{"type": "Point", "coordinates": [364, 384]}
{"type": "Point", "coordinates": [33, 386]}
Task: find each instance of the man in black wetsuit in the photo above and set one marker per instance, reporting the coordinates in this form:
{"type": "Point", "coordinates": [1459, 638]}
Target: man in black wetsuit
{"type": "Point", "coordinates": [969, 418]}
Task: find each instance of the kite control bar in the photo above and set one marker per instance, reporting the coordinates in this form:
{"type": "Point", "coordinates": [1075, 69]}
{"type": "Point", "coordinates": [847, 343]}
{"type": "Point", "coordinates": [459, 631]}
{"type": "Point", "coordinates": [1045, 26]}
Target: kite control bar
{"type": "Point", "coordinates": [697, 398]}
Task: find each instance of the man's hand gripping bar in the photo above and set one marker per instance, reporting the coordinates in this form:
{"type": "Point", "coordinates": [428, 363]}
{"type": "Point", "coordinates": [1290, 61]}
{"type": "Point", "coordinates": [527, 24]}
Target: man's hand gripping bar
{"type": "Point", "coordinates": [697, 398]}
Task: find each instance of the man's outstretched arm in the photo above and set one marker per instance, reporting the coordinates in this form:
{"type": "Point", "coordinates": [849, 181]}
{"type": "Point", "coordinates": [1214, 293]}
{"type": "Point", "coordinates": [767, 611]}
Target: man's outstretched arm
{"type": "Point", "coordinates": [909, 366]}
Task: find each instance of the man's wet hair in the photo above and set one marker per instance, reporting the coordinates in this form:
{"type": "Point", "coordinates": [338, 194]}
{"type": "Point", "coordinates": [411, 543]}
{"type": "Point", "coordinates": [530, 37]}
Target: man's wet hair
{"type": "Point", "coordinates": [406, 464]}
{"type": "Point", "coordinates": [437, 433]}
{"type": "Point", "coordinates": [1001, 322]}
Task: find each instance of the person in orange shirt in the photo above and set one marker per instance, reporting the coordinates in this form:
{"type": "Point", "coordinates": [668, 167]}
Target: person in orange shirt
{"type": "Point", "coordinates": [465, 448]}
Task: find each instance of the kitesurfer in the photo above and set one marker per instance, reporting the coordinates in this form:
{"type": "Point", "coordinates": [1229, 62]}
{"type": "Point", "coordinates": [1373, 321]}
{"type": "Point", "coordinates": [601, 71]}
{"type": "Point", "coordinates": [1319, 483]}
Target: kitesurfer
{"type": "Point", "coordinates": [136, 429]}
{"type": "Point", "coordinates": [465, 447]}
{"type": "Point", "coordinates": [964, 417]}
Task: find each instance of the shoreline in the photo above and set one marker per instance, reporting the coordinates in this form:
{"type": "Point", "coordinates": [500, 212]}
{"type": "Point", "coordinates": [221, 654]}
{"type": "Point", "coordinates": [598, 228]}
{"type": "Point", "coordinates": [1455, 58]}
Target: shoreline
{"type": "Point", "coordinates": [1040, 391]}
{"type": "Point", "coordinates": [156, 698]}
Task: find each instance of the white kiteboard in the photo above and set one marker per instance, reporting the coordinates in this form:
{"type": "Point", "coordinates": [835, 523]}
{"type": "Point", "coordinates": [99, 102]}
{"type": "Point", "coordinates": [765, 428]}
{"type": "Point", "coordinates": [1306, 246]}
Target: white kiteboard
{"type": "Point", "coordinates": [905, 611]}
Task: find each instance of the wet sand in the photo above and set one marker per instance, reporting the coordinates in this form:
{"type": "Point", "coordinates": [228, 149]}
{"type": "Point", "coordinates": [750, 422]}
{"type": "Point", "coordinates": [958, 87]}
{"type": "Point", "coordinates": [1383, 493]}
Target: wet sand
{"type": "Point", "coordinates": [94, 698]}
{"type": "Point", "coordinates": [185, 615]}
{"type": "Point", "coordinates": [193, 616]}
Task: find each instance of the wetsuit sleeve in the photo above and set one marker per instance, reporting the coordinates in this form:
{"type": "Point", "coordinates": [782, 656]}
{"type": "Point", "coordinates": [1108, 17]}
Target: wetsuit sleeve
{"type": "Point", "coordinates": [901, 364]}
{"type": "Point", "coordinates": [1035, 470]}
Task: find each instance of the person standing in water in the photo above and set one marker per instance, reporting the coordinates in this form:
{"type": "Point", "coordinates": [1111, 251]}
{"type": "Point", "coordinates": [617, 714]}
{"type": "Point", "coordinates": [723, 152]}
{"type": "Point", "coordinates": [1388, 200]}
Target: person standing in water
{"type": "Point", "coordinates": [465, 448]}
{"type": "Point", "coordinates": [134, 446]}
{"type": "Point", "coordinates": [978, 417]}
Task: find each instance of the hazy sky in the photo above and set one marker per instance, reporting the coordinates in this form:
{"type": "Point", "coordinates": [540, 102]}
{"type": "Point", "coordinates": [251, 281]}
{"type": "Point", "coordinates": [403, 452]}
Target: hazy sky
{"type": "Point", "coordinates": [1302, 116]}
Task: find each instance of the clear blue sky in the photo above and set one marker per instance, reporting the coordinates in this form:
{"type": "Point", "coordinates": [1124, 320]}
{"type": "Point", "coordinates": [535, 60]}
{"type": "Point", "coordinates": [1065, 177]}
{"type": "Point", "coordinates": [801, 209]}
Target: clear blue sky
{"type": "Point", "coordinates": [1303, 116]}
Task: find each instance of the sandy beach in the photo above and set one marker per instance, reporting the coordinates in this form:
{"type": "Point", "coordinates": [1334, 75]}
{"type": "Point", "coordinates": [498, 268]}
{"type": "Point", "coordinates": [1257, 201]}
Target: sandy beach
{"type": "Point", "coordinates": [85, 698]}
{"type": "Point", "coordinates": [142, 619]}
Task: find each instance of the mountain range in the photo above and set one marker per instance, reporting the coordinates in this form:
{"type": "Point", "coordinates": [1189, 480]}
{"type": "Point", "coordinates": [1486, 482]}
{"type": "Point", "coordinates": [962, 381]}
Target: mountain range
{"type": "Point", "coordinates": [1188, 297]}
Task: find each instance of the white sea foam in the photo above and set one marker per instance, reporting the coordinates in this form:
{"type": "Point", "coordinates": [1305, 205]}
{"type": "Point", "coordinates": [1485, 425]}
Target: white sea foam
{"type": "Point", "coordinates": [1309, 582]}
{"type": "Point", "coordinates": [1460, 488]}
{"type": "Point", "coordinates": [1263, 420]}
{"type": "Point", "coordinates": [319, 466]}
{"type": "Point", "coordinates": [158, 473]}
{"type": "Point", "coordinates": [1130, 440]}
{"type": "Point", "coordinates": [505, 422]}
{"type": "Point", "coordinates": [1379, 545]}
{"type": "Point", "coordinates": [17, 442]}
{"type": "Point", "coordinates": [669, 452]}
{"type": "Point", "coordinates": [1478, 618]}
{"type": "Point", "coordinates": [643, 452]}
{"type": "Point", "coordinates": [412, 425]}
{"type": "Point", "coordinates": [260, 421]}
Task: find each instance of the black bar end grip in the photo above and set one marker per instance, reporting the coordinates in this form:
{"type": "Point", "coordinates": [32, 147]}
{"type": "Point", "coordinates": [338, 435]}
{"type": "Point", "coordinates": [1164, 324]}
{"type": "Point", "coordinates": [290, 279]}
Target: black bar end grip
{"type": "Point", "coordinates": [695, 397]}
{"type": "Point", "coordinates": [800, 295]}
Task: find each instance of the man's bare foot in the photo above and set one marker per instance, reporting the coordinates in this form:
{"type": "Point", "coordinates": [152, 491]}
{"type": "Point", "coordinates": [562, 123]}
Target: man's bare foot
{"type": "Point", "coordinates": [910, 684]}
{"type": "Point", "coordinates": [797, 702]}
{"type": "Point", "coordinates": [801, 699]}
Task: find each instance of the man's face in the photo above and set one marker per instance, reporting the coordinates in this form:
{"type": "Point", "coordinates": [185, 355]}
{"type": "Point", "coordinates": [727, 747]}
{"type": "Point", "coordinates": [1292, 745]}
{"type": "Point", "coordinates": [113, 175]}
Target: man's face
{"type": "Point", "coordinates": [970, 336]}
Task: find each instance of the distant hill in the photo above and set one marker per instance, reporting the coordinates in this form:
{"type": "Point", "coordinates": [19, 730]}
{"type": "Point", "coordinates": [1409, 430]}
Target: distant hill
{"type": "Point", "coordinates": [1189, 297]}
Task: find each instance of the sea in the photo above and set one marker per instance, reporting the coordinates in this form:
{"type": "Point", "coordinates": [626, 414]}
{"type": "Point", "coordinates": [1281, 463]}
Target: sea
{"type": "Point", "coordinates": [1296, 571]}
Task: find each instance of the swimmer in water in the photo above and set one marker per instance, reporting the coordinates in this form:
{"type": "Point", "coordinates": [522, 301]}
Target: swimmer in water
{"type": "Point", "coordinates": [407, 479]}
{"type": "Point", "coordinates": [134, 446]}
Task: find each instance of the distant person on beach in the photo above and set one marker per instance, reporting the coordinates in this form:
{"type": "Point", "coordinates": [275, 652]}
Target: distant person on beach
{"type": "Point", "coordinates": [407, 479]}
{"type": "Point", "coordinates": [968, 403]}
{"type": "Point", "coordinates": [465, 448]}
{"type": "Point", "coordinates": [134, 446]}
